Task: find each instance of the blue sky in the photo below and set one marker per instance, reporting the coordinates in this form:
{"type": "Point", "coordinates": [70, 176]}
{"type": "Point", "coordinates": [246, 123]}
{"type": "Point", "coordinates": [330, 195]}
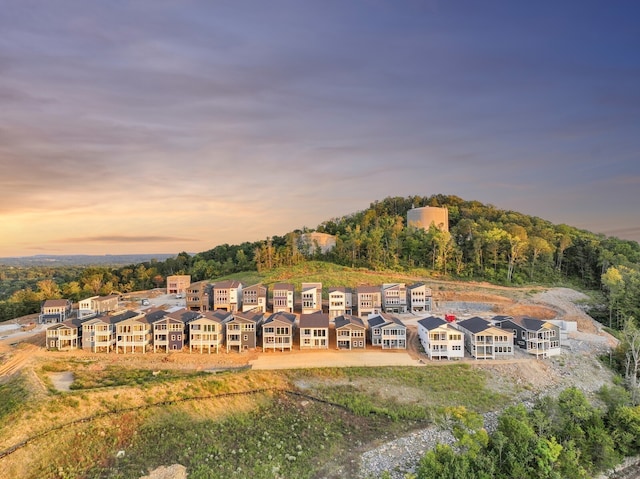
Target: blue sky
{"type": "Point", "coordinates": [163, 126]}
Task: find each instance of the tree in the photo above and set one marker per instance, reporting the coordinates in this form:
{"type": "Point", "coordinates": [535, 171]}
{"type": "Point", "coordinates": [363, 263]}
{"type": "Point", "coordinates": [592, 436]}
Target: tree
{"type": "Point", "coordinates": [631, 343]}
{"type": "Point", "coordinates": [538, 246]}
{"type": "Point", "coordinates": [517, 238]}
{"type": "Point", "coordinates": [613, 282]}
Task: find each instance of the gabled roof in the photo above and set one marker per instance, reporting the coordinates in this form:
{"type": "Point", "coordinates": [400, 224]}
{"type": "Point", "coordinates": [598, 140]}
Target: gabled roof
{"type": "Point", "coordinates": [248, 316]}
{"type": "Point", "coordinates": [184, 315]}
{"type": "Point", "coordinates": [339, 289]}
{"type": "Point", "coordinates": [227, 284]}
{"type": "Point", "coordinates": [314, 320]}
{"type": "Point", "coordinates": [116, 318]}
{"type": "Point", "coordinates": [501, 317]}
{"type": "Point", "coordinates": [368, 289]}
{"type": "Point", "coordinates": [348, 320]}
{"type": "Point", "coordinates": [431, 322]}
{"type": "Point", "coordinates": [197, 285]}
{"type": "Point", "coordinates": [530, 324]}
{"type": "Point", "coordinates": [383, 319]}
{"type": "Point", "coordinates": [416, 285]}
{"type": "Point", "coordinates": [154, 314]}
{"type": "Point", "coordinates": [214, 316]}
{"type": "Point", "coordinates": [70, 323]}
{"type": "Point", "coordinates": [55, 303]}
{"type": "Point", "coordinates": [283, 286]}
{"type": "Point", "coordinates": [258, 287]}
{"type": "Point", "coordinates": [281, 317]}
{"type": "Point", "coordinates": [475, 324]}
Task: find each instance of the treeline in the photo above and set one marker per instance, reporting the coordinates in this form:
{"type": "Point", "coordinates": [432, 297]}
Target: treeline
{"type": "Point", "coordinates": [483, 243]}
{"type": "Point", "coordinates": [558, 438]}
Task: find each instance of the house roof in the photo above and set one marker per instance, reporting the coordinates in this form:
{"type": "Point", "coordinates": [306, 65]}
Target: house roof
{"type": "Point", "coordinates": [416, 285]}
{"type": "Point", "coordinates": [530, 324]}
{"type": "Point", "coordinates": [55, 303]}
{"type": "Point", "coordinates": [382, 319]}
{"type": "Point", "coordinates": [348, 320]}
{"type": "Point", "coordinates": [368, 289]}
{"type": "Point", "coordinates": [248, 316]}
{"type": "Point", "coordinates": [258, 287]}
{"type": "Point", "coordinates": [475, 324]}
{"type": "Point", "coordinates": [340, 289]}
{"type": "Point", "coordinates": [283, 286]}
{"type": "Point", "coordinates": [281, 317]}
{"type": "Point", "coordinates": [197, 286]}
{"type": "Point", "coordinates": [431, 322]}
{"type": "Point", "coordinates": [70, 323]}
{"type": "Point", "coordinates": [227, 284]}
{"type": "Point", "coordinates": [219, 315]}
{"type": "Point", "coordinates": [184, 315]}
{"type": "Point", "coordinates": [314, 320]}
{"type": "Point", "coordinates": [154, 314]}
{"type": "Point", "coordinates": [106, 298]}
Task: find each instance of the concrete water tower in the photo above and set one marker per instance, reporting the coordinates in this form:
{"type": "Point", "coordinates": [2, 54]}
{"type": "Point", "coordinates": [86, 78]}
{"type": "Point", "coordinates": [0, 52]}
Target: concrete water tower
{"type": "Point", "coordinates": [423, 217]}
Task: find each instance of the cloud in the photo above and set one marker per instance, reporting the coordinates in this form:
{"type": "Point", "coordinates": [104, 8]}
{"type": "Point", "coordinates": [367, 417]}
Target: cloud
{"type": "Point", "coordinates": [124, 239]}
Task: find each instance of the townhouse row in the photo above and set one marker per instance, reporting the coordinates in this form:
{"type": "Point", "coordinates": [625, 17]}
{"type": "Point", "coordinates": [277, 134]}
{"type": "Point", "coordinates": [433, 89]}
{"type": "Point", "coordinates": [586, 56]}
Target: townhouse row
{"type": "Point", "coordinates": [364, 300]}
{"type": "Point", "coordinates": [210, 331]}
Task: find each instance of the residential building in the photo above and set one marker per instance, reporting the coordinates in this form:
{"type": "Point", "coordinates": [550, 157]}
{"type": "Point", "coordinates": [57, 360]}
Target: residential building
{"type": "Point", "coordinates": [99, 333]}
{"type": "Point", "coordinates": [340, 302]}
{"type": "Point", "coordinates": [350, 332]}
{"type": "Point", "coordinates": [227, 295]}
{"type": "Point", "coordinates": [85, 307]}
{"type": "Point", "coordinates": [283, 298]}
{"type": "Point", "coordinates": [199, 297]}
{"type": "Point", "coordinates": [277, 331]}
{"type": "Point", "coordinates": [133, 334]}
{"type": "Point", "coordinates": [64, 336]}
{"type": "Point", "coordinates": [483, 340]}
{"type": "Point", "coordinates": [311, 295]}
{"type": "Point", "coordinates": [94, 305]}
{"type": "Point", "coordinates": [387, 331]}
{"type": "Point", "coordinates": [394, 298]}
{"type": "Point", "coordinates": [178, 284]}
{"type": "Point", "coordinates": [419, 298]}
{"type": "Point", "coordinates": [369, 300]}
{"type": "Point", "coordinates": [206, 332]}
{"type": "Point", "coordinates": [169, 330]}
{"type": "Point", "coordinates": [314, 331]}
{"type": "Point", "coordinates": [254, 297]}
{"type": "Point", "coordinates": [439, 339]}
{"type": "Point", "coordinates": [537, 337]}
{"type": "Point", "coordinates": [242, 329]}
{"type": "Point", "coordinates": [54, 311]}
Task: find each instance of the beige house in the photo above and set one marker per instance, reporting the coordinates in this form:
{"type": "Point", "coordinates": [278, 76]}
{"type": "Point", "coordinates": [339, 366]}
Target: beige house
{"type": "Point", "coordinates": [394, 298]}
{"type": "Point", "coordinates": [95, 305]}
{"type": "Point", "coordinates": [99, 333]}
{"type": "Point", "coordinates": [340, 302]}
{"type": "Point", "coordinates": [254, 297]}
{"type": "Point", "coordinates": [277, 331]}
{"type": "Point", "coordinates": [178, 284]}
{"type": "Point", "coordinates": [206, 332]}
{"type": "Point", "coordinates": [54, 311]}
{"type": "Point", "coordinates": [311, 296]}
{"type": "Point", "coordinates": [485, 341]}
{"type": "Point", "coordinates": [283, 298]}
{"type": "Point", "coordinates": [439, 339]}
{"type": "Point", "coordinates": [133, 334]}
{"type": "Point", "coordinates": [64, 336]}
{"type": "Point", "coordinates": [350, 332]}
{"type": "Point", "coordinates": [419, 298]}
{"type": "Point", "coordinates": [241, 330]}
{"type": "Point", "coordinates": [387, 331]}
{"type": "Point", "coordinates": [198, 296]}
{"type": "Point", "coordinates": [369, 300]}
{"type": "Point", "coordinates": [314, 331]}
{"type": "Point", "coordinates": [227, 295]}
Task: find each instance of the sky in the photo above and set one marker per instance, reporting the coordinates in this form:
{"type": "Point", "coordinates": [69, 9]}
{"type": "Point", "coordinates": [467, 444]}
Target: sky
{"type": "Point", "coordinates": [157, 126]}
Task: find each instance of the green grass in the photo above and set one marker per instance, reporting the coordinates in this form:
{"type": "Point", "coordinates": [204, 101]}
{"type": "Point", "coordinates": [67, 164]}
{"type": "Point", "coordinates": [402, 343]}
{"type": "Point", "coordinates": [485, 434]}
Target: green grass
{"type": "Point", "coordinates": [116, 376]}
{"type": "Point", "coordinates": [13, 395]}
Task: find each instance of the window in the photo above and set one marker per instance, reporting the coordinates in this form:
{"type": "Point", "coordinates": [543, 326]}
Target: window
{"type": "Point", "coordinates": [246, 337]}
{"type": "Point", "coordinates": [173, 337]}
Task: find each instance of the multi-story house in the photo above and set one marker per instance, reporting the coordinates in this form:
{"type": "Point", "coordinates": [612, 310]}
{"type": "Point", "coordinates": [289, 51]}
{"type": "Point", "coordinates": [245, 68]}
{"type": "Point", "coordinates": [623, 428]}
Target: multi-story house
{"type": "Point", "coordinates": [439, 339]}
{"type": "Point", "coordinates": [350, 332]}
{"type": "Point", "coordinates": [277, 331]}
{"type": "Point", "coordinates": [89, 307]}
{"type": "Point", "coordinates": [537, 337]}
{"type": "Point", "coordinates": [369, 300]}
{"type": "Point", "coordinates": [419, 298]}
{"type": "Point", "coordinates": [99, 333]}
{"type": "Point", "coordinates": [64, 336]}
{"type": "Point", "coordinates": [340, 302]}
{"type": "Point", "coordinates": [242, 329]}
{"type": "Point", "coordinates": [254, 297]}
{"type": "Point", "coordinates": [198, 296]}
{"type": "Point", "coordinates": [387, 331]}
{"type": "Point", "coordinates": [227, 295]}
{"type": "Point", "coordinates": [206, 332]}
{"type": "Point", "coordinates": [314, 331]}
{"type": "Point", "coordinates": [394, 298]}
{"type": "Point", "coordinates": [169, 330]}
{"type": "Point", "coordinates": [54, 311]}
{"type": "Point", "coordinates": [178, 284]}
{"type": "Point", "coordinates": [283, 298]}
{"type": "Point", "coordinates": [485, 341]}
{"type": "Point", "coordinates": [133, 334]}
{"type": "Point", "coordinates": [311, 296]}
